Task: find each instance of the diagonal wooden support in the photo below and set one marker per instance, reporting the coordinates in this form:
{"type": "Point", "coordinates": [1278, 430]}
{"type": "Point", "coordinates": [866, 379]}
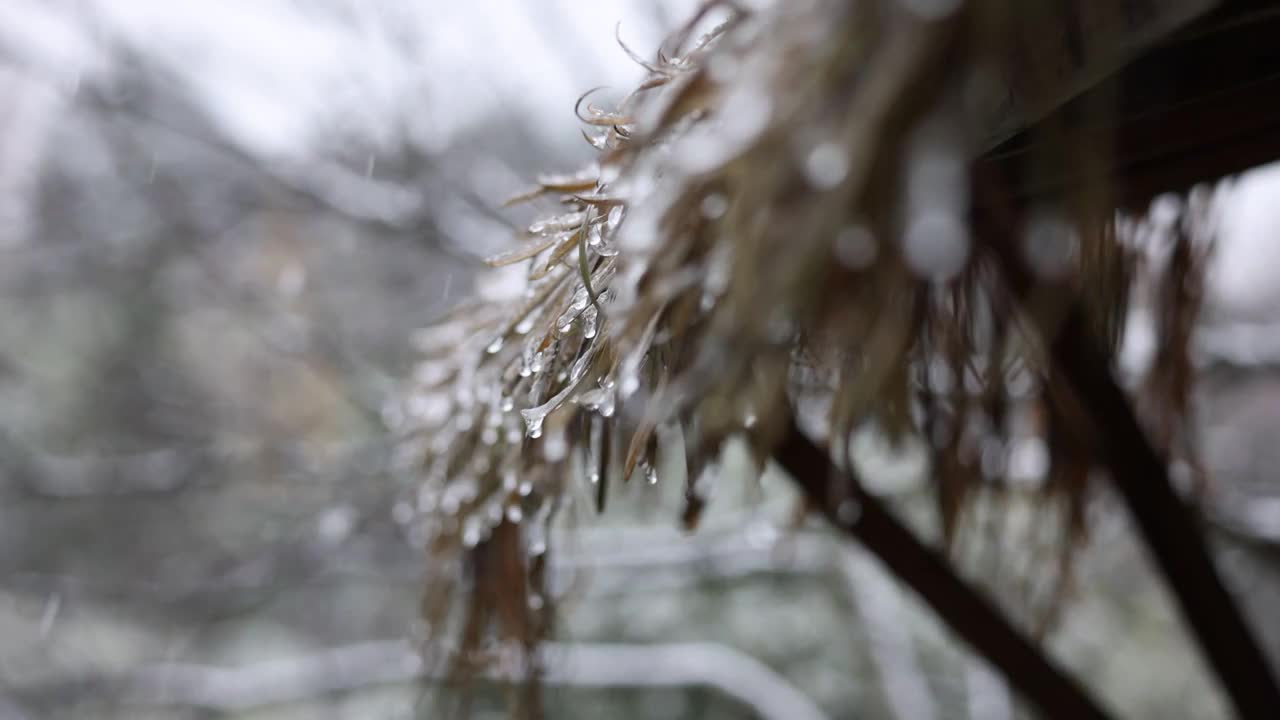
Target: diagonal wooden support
{"type": "Point", "coordinates": [970, 614]}
{"type": "Point", "coordinates": [1168, 526]}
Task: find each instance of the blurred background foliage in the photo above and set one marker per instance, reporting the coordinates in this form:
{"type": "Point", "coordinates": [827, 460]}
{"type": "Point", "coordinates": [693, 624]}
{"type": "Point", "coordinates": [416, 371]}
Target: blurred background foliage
{"type": "Point", "coordinates": [219, 228]}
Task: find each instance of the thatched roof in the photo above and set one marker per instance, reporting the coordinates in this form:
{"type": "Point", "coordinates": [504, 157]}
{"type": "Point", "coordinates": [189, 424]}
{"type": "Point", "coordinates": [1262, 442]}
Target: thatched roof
{"type": "Point", "coordinates": [778, 230]}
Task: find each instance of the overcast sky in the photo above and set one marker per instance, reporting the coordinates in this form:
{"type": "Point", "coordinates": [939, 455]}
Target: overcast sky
{"type": "Point", "coordinates": [281, 77]}
{"type": "Point", "coordinates": [277, 73]}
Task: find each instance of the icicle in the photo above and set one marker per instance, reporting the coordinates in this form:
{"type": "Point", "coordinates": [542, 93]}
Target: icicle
{"type": "Point", "coordinates": [533, 418]}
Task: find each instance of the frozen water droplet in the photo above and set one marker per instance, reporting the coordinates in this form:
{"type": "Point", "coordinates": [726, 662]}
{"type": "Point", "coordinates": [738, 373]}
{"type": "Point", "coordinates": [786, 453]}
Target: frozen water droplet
{"type": "Point", "coordinates": [714, 206]}
{"type": "Point", "coordinates": [614, 218]}
{"type": "Point", "coordinates": [936, 245]}
{"type": "Point", "coordinates": [471, 532]}
{"type": "Point", "coordinates": [538, 390]}
{"type": "Point", "coordinates": [464, 397]}
{"type": "Point", "coordinates": [524, 326]}
{"type": "Point", "coordinates": [630, 384]}
{"type": "Point", "coordinates": [525, 488]}
{"type": "Point", "coordinates": [826, 166]}
{"type": "Point", "coordinates": [1050, 245]}
{"type": "Point", "coordinates": [450, 505]}
{"type": "Point", "coordinates": [466, 489]}
{"type": "Point", "coordinates": [335, 524]}
{"type": "Point", "coordinates": [559, 223]}
{"type": "Point", "coordinates": [494, 346]}
{"type": "Point", "coordinates": [651, 474]}
{"type": "Point", "coordinates": [1028, 461]}
{"type": "Point", "coordinates": [514, 514]}
{"type": "Point", "coordinates": [855, 247]}
{"type": "Point", "coordinates": [427, 500]}
{"type": "Point", "coordinates": [590, 318]}
{"type": "Point", "coordinates": [590, 399]}
{"type": "Point", "coordinates": [432, 373]}
{"type": "Point", "coordinates": [580, 366]}
{"type": "Point", "coordinates": [580, 300]}
{"type": "Point", "coordinates": [533, 418]}
{"type": "Point", "coordinates": [535, 600]}
{"type": "Point", "coordinates": [779, 327]}
{"type": "Point", "coordinates": [941, 378]}
{"type": "Point", "coordinates": [429, 407]}
{"type": "Point", "coordinates": [719, 269]}
{"type": "Point", "coordinates": [507, 403]}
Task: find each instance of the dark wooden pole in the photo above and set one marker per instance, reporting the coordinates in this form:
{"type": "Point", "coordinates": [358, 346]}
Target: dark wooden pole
{"type": "Point", "coordinates": [1168, 526]}
{"type": "Point", "coordinates": [970, 614]}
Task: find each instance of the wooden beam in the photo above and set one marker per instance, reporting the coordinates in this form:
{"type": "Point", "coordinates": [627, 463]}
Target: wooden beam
{"type": "Point", "coordinates": [1168, 526]}
{"type": "Point", "coordinates": [1202, 105]}
{"type": "Point", "coordinates": [970, 614]}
